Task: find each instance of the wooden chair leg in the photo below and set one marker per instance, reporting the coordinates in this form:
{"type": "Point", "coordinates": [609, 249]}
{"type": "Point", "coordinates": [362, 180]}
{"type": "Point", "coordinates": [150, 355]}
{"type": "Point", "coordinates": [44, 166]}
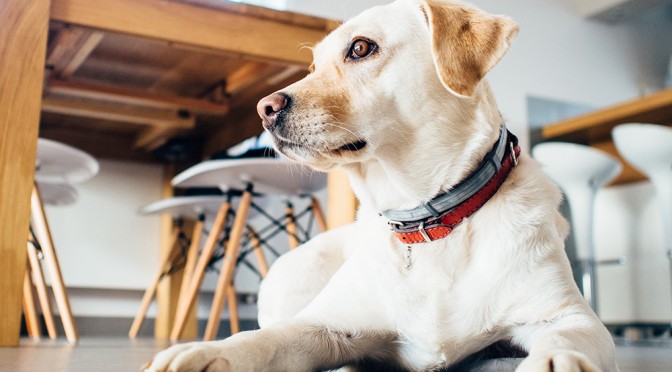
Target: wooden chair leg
{"type": "Point", "coordinates": [190, 266]}
{"type": "Point", "coordinates": [60, 292]}
{"type": "Point", "coordinates": [258, 253]}
{"type": "Point", "coordinates": [228, 264]}
{"type": "Point", "coordinates": [319, 215]}
{"type": "Point", "coordinates": [29, 309]}
{"type": "Point", "coordinates": [233, 309]}
{"type": "Point", "coordinates": [199, 272]}
{"type": "Point", "coordinates": [151, 290]}
{"type": "Point", "coordinates": [290, 224]}
{"type": "Point", "coordinates": [42, 292]}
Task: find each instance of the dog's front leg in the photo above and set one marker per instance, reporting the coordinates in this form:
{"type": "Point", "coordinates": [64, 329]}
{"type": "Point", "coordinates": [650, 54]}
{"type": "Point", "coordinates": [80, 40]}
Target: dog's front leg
{"type": "Point", "coordinates": [290, 346]}
{"type": "Point", "coordinates": [576, 343]}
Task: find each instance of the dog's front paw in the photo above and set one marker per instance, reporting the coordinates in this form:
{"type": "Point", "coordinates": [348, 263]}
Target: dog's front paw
{"type": "Point", "coordinates": [192, 357]}
{"type": "Point", "coordinates": [557, 361]}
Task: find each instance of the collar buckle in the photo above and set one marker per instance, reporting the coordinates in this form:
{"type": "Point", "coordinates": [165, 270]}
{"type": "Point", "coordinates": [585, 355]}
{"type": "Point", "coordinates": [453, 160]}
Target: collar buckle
{"type": "Point", "coordinates": [513, 154]}
{"type": "Point", "coordinates": [393, 224]}
{"type": "Point", "coordinates": [423, 232]}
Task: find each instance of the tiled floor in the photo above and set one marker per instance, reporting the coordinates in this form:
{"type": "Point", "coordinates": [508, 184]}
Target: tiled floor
{"type": "Point", "coordinates": [119, 354]}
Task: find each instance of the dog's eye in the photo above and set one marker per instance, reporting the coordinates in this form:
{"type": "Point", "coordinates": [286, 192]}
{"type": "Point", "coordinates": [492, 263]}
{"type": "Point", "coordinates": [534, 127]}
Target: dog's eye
{"type": "Point", "coordinates": [361, 48]}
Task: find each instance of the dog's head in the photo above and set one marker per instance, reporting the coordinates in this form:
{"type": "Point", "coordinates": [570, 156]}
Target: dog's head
{"type": "Point", "coordinates": [382, 77]}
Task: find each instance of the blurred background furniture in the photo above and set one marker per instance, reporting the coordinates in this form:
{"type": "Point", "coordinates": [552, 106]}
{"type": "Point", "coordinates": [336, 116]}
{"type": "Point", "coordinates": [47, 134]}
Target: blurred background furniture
{"type": "Point", "coordinates": [184, 251]}
{"type": "Point", "coordinates": [56, 168]}
{"type": "Point", "coordinates": [580, 171]}
{"type": "Point", "coordinates": [257, 177]}
{"type": "Point", "coordinates": [648, 148]}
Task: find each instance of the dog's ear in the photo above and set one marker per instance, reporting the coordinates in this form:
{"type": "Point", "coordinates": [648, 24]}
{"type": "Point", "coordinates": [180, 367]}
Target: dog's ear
{"type": "Point", "coordinates": [466, 42]}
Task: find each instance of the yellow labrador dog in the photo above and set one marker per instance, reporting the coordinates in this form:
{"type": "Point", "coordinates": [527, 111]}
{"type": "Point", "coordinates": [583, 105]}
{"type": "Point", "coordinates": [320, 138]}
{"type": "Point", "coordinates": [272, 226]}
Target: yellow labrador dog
{"type": "Point", "coordinates": [458, 243]}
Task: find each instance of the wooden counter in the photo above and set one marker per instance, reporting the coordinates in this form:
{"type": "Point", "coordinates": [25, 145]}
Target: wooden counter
{"type": "Point", "coordinates": [594, 128]}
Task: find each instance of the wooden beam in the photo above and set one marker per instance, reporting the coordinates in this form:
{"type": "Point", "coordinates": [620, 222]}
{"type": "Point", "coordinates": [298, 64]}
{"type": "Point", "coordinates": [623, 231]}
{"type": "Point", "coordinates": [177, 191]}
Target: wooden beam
{"type": "Point", "coordinates": [208, 28]}
{"type": "Point", "coordinates": [134, 115]}
{"type": "Point", "coordinates": [135, 97]}
{"type": "Point", "coordinates": [153, 137]}
{"type": "Point", "coordinates": [71, 48]}
{"type": "Point", "coordinates": [248, 75]}
{"type": "Point", "coordinates": [23, 31]}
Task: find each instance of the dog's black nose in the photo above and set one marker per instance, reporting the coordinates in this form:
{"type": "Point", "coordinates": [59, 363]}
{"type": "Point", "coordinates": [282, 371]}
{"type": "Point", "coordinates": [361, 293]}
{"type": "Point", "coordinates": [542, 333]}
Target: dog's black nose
{"type": "Point", "coordinates": [270, 106]}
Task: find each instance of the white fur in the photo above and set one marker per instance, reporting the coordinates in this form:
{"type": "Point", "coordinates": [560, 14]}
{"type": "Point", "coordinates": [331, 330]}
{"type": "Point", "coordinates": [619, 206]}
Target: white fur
{"type": "Point", "coordinates": [501, 275]}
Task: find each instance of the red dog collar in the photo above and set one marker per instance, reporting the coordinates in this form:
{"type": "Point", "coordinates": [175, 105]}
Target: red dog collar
{"type": "Point", "coordinates": [442, 223]}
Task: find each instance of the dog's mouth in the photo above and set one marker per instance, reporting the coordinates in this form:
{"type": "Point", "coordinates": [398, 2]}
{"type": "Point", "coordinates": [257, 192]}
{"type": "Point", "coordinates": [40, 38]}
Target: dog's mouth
{"type": "Point", "coordinates": [351, 147]}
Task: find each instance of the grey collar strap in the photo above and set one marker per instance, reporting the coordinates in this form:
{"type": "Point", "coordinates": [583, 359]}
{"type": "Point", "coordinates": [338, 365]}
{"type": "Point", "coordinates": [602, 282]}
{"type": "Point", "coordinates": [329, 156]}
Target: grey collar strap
{"type": "Point", "coordinates": [445, 202]}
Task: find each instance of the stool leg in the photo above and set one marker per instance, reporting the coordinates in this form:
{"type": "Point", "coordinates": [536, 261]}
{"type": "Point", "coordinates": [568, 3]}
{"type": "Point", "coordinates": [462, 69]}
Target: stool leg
{"type": "Point", "coordinates": [29, 310]}
{"type": "Point", "coordinates": [290, 223]}
{"type": "Point", "coordinates": [60, 292]}
{"type": "Point", "coordinates": [228, 264]}
{"type": "Point", "coordinates": [319, 215]}
{"type": "Point", "coordinates": [42, 292]}
{"type": "Point", "coordinates": [189, 267]}
{"type": "Point", "coordinates": [233, 309]}
{"type": "Point", "coordinates": [151, 290]}
{"type": "Point", "coordinates": [199, 272]}
{"type": "Point", "coordinates": [258, 253]}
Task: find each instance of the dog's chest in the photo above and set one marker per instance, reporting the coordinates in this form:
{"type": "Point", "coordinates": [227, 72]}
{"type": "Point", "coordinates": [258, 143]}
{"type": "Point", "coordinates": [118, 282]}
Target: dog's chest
{"type": "Point", "coordinates": [441, 308]}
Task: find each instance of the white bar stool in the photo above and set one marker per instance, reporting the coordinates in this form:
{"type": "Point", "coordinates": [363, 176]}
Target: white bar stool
{"type": "Point", "coordinates": [268, 176]}
{"type": "Point", "coordinates": [580, 171]}
{"type": "Point", "coordinates": [648, 148]}
{"type": "Point", "coordinates": [56, 167]}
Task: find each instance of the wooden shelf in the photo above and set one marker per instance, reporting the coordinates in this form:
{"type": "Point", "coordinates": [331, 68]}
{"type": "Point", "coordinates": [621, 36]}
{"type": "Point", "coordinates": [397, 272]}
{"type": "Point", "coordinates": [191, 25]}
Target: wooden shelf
{"type": "Point", "coordinates": [594, 128]}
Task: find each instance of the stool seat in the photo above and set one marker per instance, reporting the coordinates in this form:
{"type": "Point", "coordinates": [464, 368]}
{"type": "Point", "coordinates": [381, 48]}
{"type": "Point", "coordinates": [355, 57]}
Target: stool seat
{"type": "Point", "coordinates": [269, 176]}
{"type": "Point", "coordinates": [648, 147]}
{"type": "Point", "coordinates": [569, 164]}
{"type": "Point", "coordinates": [59, 194]}
{"type": "Point", "coordinates": [59, 163]}
{"type": "Point", "coordinates": [580, 171]}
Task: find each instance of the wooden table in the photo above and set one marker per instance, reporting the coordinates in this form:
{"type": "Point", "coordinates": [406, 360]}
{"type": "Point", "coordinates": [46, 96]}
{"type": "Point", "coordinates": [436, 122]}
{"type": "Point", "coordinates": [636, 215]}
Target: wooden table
{"type": "Point", "coordinates": [594, 128]}
{"type": "Point", "coordinates": [119, 79]}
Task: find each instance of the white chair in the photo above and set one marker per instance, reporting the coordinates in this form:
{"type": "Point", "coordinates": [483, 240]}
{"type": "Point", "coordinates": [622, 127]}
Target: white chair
{"type": "Point", "coordinates": [57, 166]}
{"type": "Point", "coordinates": [268, 176]}
{"type": "Point", "coordinates": [580, 171]}
{"type": "Point", "coordinates": [648, 148]}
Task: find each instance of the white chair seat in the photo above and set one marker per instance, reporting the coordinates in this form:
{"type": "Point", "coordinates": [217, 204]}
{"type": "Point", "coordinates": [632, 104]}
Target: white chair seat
{"type": "Point", "coordinates": [269, 176]}
{"type": "Point", "coordinates": [58, 194]}
{"type": "Point", "coordinates": [59, 163]}
{"type": "Point", "coordinates": [188, 206]}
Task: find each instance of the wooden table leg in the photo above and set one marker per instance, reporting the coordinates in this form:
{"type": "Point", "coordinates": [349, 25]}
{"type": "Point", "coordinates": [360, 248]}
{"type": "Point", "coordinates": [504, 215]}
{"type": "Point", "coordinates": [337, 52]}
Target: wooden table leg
{"type": "Point", "coordinates": [29, 309]}
{"type": "Point", "coordinates": [290, 224]}
{"type": "Point", "coordinates": [42, 292]}
{"type": "Point", "coordinates": [151, 290]}
{"type": "Point", "coordinates": [60, 292]}
{"type": "Point", "coordinates": [199, 272]}
{"type": "Point", "coordinates": [23, 42]}
{"type": "Point", "coordinates": [319, 215]}
{"type": "Point", "coordinates": [228, 265]}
